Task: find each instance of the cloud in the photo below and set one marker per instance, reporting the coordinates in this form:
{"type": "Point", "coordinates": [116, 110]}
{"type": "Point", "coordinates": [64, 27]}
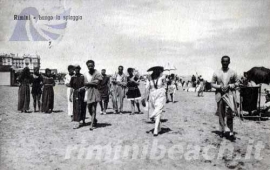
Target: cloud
{"type": "Point", "coordinates": [193, 35]}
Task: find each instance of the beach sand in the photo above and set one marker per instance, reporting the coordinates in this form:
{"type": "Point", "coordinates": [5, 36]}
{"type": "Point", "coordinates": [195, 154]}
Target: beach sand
{"type": "Point", "coordinates": [44, 141]}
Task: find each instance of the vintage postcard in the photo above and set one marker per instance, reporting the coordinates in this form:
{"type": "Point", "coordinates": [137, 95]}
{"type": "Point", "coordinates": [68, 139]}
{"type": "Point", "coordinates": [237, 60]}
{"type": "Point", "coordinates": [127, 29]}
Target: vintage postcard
{"type": "Point", "coordinates": [134, 84]}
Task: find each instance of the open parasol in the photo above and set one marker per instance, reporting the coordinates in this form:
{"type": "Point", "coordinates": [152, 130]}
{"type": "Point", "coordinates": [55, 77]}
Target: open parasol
{"type": "Point", "coordinates": [169, 67]}
{"type": "Point", "coordinates": [259, 75]}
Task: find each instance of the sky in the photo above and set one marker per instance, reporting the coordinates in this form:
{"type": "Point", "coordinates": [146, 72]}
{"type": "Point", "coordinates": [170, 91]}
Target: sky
{"type": "Point", "coordinates": [192, 35]}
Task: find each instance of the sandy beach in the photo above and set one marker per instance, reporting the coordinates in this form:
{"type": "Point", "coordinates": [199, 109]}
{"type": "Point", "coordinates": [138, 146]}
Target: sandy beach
{"type": "Point", "coordinates": [189, 130]}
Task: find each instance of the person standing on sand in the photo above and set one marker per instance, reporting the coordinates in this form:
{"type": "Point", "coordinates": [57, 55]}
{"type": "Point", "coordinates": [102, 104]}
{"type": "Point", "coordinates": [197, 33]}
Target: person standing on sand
{"type": "Point", "coordinates": [77, 93]}
{"type": "Point", "coordinates": [119, 82]}
{"type": "Point", "coordinates": [168, 82]}
{"type": "Point", "coordinates": [177, 80]}
{"type": "Point", "coordinates": [48, 93]}
{"type": "Point", "coordinates": [104, 88]}
{"type": "Point", "coordinates": [36, 88]}
{"type": "Point", "coordinates": [193, 80]}
{"type": "Point", "coordinates": [133, 93]}
{"type": "Point", "coordinates": [67, 83]}
{"type": "Point", "coordinates": [200, 87]}
{"type": "Point", "coordinates": [24, 90]}
{"type": "Point", "coordinates": [155, 93]}
{"type": "Point", "coordinates": [92, 95]}
{"type": "Point", "coordinates": [171, 87]}
{"type": "Point", "coordinates": [225, 82]}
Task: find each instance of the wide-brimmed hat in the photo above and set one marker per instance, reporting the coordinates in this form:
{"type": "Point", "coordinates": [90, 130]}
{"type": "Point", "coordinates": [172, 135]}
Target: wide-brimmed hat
{"type": "Point", "coordinates": [156, 68]}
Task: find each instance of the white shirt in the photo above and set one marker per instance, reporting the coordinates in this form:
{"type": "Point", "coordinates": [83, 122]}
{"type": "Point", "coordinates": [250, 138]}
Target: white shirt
{"type": "Point", "coordinates": [225, 77]}
{"type": "Point", "coordinates": [67, 79]}
{"type": "Point", "coordinates": [87, 77]}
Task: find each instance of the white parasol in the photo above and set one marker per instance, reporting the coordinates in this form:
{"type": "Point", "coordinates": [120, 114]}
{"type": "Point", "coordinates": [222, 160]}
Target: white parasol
{"type": "Point", "coordinates": [169, 67]}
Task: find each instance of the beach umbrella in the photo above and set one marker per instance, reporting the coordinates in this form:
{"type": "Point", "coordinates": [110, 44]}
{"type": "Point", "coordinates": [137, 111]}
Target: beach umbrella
{"type": "Point", "coordinates": [169, 67]}
{"type": "Point", "coordinates": [259, 75]}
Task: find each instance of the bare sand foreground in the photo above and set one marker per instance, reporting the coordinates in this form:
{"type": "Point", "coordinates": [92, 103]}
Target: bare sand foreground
{"type": "Point", "coordinates": [189, 140]}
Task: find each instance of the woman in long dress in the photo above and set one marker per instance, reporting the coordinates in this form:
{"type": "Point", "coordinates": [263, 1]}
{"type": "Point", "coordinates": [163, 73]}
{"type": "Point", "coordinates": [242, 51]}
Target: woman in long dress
{"type": "Point", "coordinates": [24, 90]}
{"type": "Point", "coordinates": [155, 92]}
{"type": "Point", "coordinates": [133, 93]}
{"type": "Point", "coordinates": [77, 96]}
{"type": "Point", "coordinates": [48, 93]}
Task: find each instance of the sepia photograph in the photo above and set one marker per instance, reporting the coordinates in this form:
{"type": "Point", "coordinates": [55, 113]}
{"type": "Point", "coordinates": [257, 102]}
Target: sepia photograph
{"type": "Point", "coordinates": [134, 84]}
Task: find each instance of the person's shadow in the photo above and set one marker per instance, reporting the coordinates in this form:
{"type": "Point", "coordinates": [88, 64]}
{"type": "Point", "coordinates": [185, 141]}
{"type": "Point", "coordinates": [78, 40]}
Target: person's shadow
{"type": "Point", "coordinates": [226, 135]}
{"type": "Point", "coordinates": [108, 113]}
{"type": "Point", "coordinates": [57, 111]}
{"type": "Point", "coordinates": [112, 112]}
{"type": "Point", "coordinates": [98, 125]}
{"type": "Point", "coordinates": [163, 130]}
{"type": "Point", "coordinates": [101, 125]}
{"type": "Point", "coordinates": [153, 122]}
{"type": "Point", "coordinates": [163, 120]}
{"type": "Point", "coordinates": [217, 132]}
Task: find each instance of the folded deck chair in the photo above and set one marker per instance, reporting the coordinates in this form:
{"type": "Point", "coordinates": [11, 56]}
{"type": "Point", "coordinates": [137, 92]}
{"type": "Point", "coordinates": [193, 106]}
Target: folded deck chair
{"type": "Point", "coordinates": [250, 97]}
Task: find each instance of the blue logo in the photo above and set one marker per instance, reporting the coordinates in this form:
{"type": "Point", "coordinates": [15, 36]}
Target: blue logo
{"type": "Point", "coordinates": [29, 29]}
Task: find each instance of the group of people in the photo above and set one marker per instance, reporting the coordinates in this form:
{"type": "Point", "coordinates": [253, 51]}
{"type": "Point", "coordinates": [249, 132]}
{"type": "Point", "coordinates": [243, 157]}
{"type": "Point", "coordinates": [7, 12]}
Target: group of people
{"type": "Point", "coordinates": [93, 88]}
{"type": "Point", "coordinates": [194, 85]}
{"type": "Point", "coordinates": [87, 90]}
{"type": "Point", "coordinates": [42, 89]}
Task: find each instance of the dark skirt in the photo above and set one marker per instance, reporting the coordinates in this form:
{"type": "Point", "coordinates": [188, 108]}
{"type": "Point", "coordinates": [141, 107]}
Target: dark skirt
{"type": "Point", "coordinates": [23, 97]}
{"type": "Point", "coordinates": [47, 99]}
{"type": "Point", "coordinates": [104, 93]}
{"type": "Point", "coordinates": [79, 106]}
{"type": "Point", "coordinates": [36, 90]}
{"type": "Point", "coordinates": [133, 93]}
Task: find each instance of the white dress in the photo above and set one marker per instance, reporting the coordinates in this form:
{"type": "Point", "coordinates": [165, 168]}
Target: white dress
{"type": "Point", "coordinates": [70, 104]}
{"type": "Point", "coordinates": [157, 96]}
{"type": "Point", "coordinates": [172, 88]}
